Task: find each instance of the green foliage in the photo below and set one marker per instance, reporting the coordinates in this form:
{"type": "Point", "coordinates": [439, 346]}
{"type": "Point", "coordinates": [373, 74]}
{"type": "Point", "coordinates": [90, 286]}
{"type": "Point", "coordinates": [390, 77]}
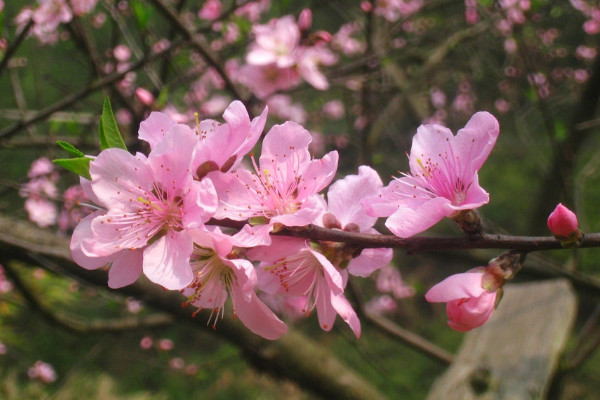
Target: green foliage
{"type": "Point", "coordinates": [79, 165]}
{"type": "Point", "coordinates": [110, 136]}
{"type": "Point", "coordinates": [141, 13]}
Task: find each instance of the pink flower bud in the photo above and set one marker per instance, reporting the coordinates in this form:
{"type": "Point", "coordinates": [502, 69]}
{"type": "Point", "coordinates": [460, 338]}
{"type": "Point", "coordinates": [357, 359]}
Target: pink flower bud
{"type": "Point", "coordinates": [366, 6]}
{"type": "Point", "coordinates": [305, 19]}
{"type": "Point", "coordinates": [562, 222]}
{"type": "Point", "coordinates": [468, 304]}
{"type": "Point", "coordinates": [144, 96]}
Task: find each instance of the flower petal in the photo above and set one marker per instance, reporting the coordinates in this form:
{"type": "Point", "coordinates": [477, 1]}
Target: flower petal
{"type": "Point", "coordinates": [167, 261]}
{"type": "Point", "coordinates": [456, 287]}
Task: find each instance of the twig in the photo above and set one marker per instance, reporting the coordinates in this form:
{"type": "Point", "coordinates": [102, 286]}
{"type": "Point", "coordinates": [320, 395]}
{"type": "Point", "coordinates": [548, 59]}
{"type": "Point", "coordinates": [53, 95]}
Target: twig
{"type": "Point", "coordinates": [12, 49]}
{"type": "Point", "coordinates": [211, 59]}
{"type": "Point", "coordinates": [69, 100]}
{"type": "Point", "coordinates": [405, 336]}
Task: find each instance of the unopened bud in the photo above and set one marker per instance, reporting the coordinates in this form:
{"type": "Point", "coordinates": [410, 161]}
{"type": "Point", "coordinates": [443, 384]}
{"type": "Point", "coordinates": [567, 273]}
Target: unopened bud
{"type": "Point", "coordinates": [331, 222]}
{"type": "Point", "coordinates": [564, 226]}
{"type": "Point", "coordinates": [144, 96]}
{"type": "Point", "coordinates": [305, 19]}
{"type": "Point", "coordinates": [469, 222]}
{"type": "Point", "coordinates": [366, 6]}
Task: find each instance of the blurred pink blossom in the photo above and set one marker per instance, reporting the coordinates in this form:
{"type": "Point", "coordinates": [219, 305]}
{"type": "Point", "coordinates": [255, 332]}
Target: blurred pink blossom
{"type": "Point", "coordinates": [42, 371]}
{"type": "Point", "coordinates": [381, 304]}
{"type": "Point", "coordinates": [333, 109]}
{"type": "Point", "coordinates": [146, 343]}
{"type": "Point", "coordinates": [210, 10]}
{"type": "Point", "coordinates": [165, 344]}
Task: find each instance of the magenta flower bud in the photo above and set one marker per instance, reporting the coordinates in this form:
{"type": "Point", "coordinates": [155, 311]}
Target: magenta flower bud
{"type": "Point", "coordinates": [305, 19]}
{"type": "Point", "coordinates": [563, 222]}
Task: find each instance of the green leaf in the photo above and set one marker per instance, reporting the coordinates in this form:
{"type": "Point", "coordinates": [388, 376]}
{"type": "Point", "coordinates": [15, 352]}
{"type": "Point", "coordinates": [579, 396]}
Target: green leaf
{"type": "Point", "coordinates": [80, 165]}
{"type": "Point", "coordinates": [141, 13]}
{"type": "Point", "coordinates": [110, 137]}
{"type": "Point", "coordinates": [70, 148]}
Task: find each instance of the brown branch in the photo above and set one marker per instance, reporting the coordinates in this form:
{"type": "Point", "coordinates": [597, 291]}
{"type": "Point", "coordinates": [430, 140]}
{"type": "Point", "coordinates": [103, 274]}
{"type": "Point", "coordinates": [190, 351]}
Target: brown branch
{"type": "Point", "coordinates": [294, 355]}
{"type": "Point", "coordinates": [210, 58]}
{"type": "Point", "coordinates": [411, 339]}
{"type": "Point", "coordinates": [72, 99]}
{"type": "Point", "coordinates": [13, 48]}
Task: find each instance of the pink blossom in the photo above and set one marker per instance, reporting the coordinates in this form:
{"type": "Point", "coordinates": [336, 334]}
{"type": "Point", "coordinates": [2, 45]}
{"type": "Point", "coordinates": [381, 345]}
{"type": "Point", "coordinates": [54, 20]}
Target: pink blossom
{"type": "Point", "coordinates": [562, 222]}
{"type": "Point", "coordinates": [281, 105]}
{"type": "Point", "coordinates": [210, 10]}
{"type": "Point", "coordinates": [146, 343]}
{"type": "Point", "coordinates": [275, 43]}
{"type": "Point", "coordinates": [392, 10]}
{"type": "Point", "coordinates": [309, 59]}
{"type": "Point", "coordinates": [5, 285]}
{"type": "Point", "coordinates": [469, 305]}
{"type": "Point", "coordinates": [443, 179]}
{"type": "Point", "coordinates": [253, 9]}
{"type": "Point", "coordinates": [333, 109]}
{"type": "Point", "coordinates": [346, 212]}
{"type": "Point", "coordinates": [344, 42]}
{"type": "Point", "coordinates": [389, 280]}
{"type": "Point", "coordinates": [305, 19]}
{"type": "Point", "coordinates": [41, 166]}
{"type": "Point", "coordinates": [41, 211]}
{"type": "Point", "coordinates": [381, 304]}
{"type": "Point", "coordinates": [82, 7]}
{"type": "Point", "coordinates": [219, 272]}
{"type": "Point", "coordinates": [150, 202]}
{"type": "Point", "coordinates": [42, 371]}
{"type": "Point", "coordinates": [284, 188]}
{"type": "Point", "coordinates": [165, 344]}
{"type": "Point", "coordinates": [215, 105]}
{"type": "Point", "coordinates": [264, 80]}
{"type": "Point", "coordinates": [2, 348]}
{"type": "Point", "coordinates": [290, 267]}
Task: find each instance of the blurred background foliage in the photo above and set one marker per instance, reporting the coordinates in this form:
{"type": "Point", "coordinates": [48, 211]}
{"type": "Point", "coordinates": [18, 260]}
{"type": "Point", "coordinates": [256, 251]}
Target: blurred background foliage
{"type": "Point", "coordinates": [430, 65]}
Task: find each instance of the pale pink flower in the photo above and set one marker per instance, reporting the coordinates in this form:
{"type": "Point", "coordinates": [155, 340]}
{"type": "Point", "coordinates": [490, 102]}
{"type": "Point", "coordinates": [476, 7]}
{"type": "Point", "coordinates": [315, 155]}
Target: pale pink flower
{"type": "Point", "coordinates": [305, 19]}
{"type": "Point", "coordinates": [389, 280]}
{"type": "Point", "coordinates": [275, 43]}
{"type": "Point", "coordinates": [344, 42]}
{"type": "Point", "coordinates": [234, 139]}
{"type": "Point", "coordinates": [469, 305]}
{"type": "Point", "coordinates": [150, 202]}
{"type": "Point", "coordinates": [344, 211]}
{"type": "Point", "coordinates": [210, 10]}
{"type": "Point", "coordinates": [2, 348]}
{"type": "Point", "coordinates": [41, 166]}
{"type": "Point", "coordinates": [264, 80]}
{"type": "Point", "coordinates": [42, 371]}
{"type": "Point", "coordinates": [281, 106]}
{"type": "Point", "coordinates": [215, 105]}
{"type": "Point", "coordinates": [381, 304]}
{"type": "Point", "coordinates": [5, 285]}
{"type": "Point", "coordinates": [219, 272]}
{"type": "Point", "coordinates": [333, 109]}
{"type": "Point", "coordinates": [309, 59]}
{"type": "Point", "coordinates": [290, 267]}
{"type": "Point", "coordinates": [1, 5]}
{"type": "Point", "coordinates": [284, 188]}
{"type": "Point", "coordinates": [562, 222]}
{"type": "Point", "coordinates": [392, 10]}
{"type": "Point", "coordinates": [443, 179]}
{"type": "Point", "coordinates": [176, 363]}
{"type": "Point", "coordinates": [41, 211]}
{"type": "Point", "coordinates": [253, 9]}
{"type": "Point", "coordinates": [82, 7]}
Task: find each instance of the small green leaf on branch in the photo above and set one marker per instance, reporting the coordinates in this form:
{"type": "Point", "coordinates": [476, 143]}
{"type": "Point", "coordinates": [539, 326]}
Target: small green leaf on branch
{"type": "Point", "coordinates": [110, 137]}
{"type": "Point", "coordinates": [80, 165]}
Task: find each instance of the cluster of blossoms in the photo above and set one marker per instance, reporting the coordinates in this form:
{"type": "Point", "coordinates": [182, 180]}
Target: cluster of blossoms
{"type": "Point", "coordinates": [163, 214]}
{"type": "Point", "coordinates": [283, 53]}
{"type": "Point", "coordinates": [49, 14]}
{"type": "Point", "coordinates": [41, 193]}
{"type": "Point", "coordinates": [42, 371]}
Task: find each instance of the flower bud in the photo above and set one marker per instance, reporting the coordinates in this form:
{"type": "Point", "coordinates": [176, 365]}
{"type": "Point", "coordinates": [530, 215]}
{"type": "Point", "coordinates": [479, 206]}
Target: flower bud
{"type": "Point", "coordinates": [563, 224]}
{"type": "Point", "coordinates": [144, 96]}
{"type": "Point", "coordinates": [305, 19]}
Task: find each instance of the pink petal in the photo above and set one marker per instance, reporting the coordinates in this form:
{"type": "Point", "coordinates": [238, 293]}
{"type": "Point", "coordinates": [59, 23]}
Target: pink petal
{"type": "Point", "coordinates": [345, 310]}
{"type": "Point", "coordinates": [466, 315]}
{"type": "Point", "coordinates": [258, 317]}
{"type": "Point", "coordinates": [281, 246]}
{"type": "Point", "coordinates": [83, 232]}
{"type": "Point", "coordinates": [430, 143]}
{"type": "Point", "coordinates": [116, 176]}
{"type": "Point", "coordinates": [200, 203]}
{"type": "Point", "coordinates": [345, 195]}
{"type": "Point", "coordinates": [125, 269]}
{"type": "Point", "coordinates": [323, 298]}
{"type": "Point", "coordinates": [285, 151]}
{"type": "Point", "coordinates": [312, 208]}
{"type": "Point", "coordinates": [171, 160]}
{"type": "Point", "coordinates": [167, 261]}
{"type": "Point", "coordinates": [406, 222]}
{"type": "Point", "coordinates": [332, 275]}
{"type": "Point", "coordinates": [370, 260]}
{"type": "Point", "coordinates": [475, 141]}
{"type": "Point", "coordinates": [317, 174]}
{"type": "Point", "coordinates": [456, 287]}
{"type": "Point", "coordinates": [386, 201]}
{"type": "Point", "coordinates": [153, 128]}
